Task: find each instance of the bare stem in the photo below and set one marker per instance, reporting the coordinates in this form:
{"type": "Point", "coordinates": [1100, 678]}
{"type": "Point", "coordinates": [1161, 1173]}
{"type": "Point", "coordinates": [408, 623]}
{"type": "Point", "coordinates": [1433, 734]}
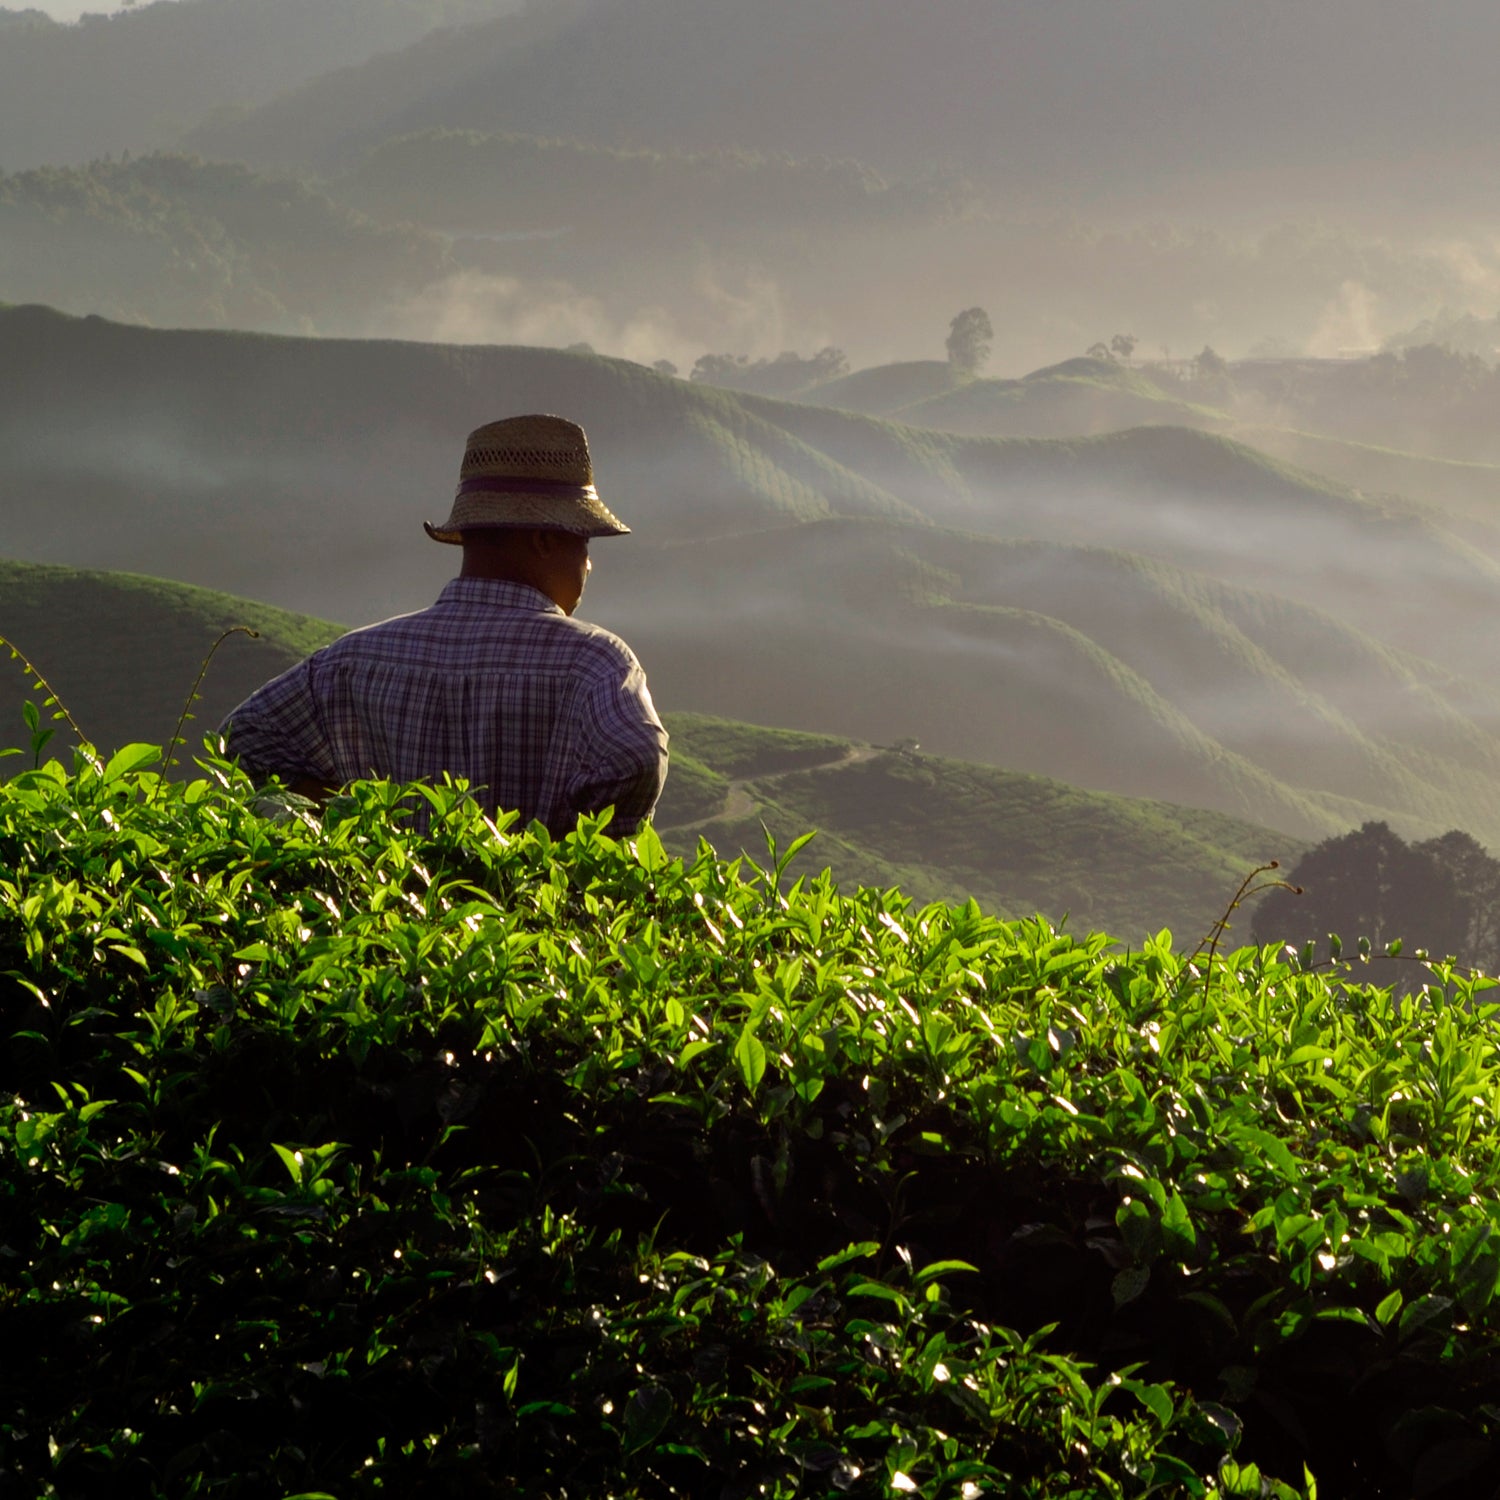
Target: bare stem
{"type": "Point", "coordinates": [43, 686]}
{"type": "Point", "coordinates": [192, 697]}
{"type": "Point", "coordinates": [1248, 888]}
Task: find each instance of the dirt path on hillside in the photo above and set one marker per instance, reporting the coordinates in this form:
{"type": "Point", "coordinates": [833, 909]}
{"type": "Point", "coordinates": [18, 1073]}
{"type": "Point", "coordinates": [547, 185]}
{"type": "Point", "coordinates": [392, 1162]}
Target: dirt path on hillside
{"type": "Point", "coordinates": [740, 803]}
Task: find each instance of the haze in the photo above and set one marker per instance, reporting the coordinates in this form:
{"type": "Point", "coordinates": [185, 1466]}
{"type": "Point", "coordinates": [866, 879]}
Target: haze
{"type": "Point", "coordinates": [1208, 513]}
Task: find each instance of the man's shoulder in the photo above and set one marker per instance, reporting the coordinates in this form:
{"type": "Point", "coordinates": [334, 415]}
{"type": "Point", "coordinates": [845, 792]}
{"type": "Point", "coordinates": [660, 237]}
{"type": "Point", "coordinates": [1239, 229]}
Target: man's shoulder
{"type": "Point", "coordinates": [553, 635]}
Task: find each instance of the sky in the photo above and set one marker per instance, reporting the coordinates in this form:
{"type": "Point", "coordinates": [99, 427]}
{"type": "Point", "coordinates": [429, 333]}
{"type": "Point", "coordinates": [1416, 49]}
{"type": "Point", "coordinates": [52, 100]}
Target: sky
{"type": "Point", "coordinates": [63, 10]}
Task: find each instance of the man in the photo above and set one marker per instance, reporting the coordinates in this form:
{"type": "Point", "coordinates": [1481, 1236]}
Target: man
{"type": "Point", "coordinates": [496, 682]}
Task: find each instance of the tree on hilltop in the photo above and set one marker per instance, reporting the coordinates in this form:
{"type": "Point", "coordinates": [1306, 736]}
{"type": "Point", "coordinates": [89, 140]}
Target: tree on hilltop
{"type": "Point", "coordinates": [970, 335]}
{"type": "Point", "coordinates": [1440, 895]}
{"type": "Point", "coordinates": [1208, 365]}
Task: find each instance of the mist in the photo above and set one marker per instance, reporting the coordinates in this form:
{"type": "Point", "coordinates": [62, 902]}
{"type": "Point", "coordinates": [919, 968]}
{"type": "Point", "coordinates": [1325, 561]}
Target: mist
{"type": "Point", "coordinates": [1211, 514]}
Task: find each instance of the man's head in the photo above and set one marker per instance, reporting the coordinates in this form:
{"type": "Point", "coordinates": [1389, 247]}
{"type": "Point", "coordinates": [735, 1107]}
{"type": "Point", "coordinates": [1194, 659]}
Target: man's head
{"type": "Point", "coordinates": [554, 562]}
{"type": "Point", "coordinates": [532, 472]}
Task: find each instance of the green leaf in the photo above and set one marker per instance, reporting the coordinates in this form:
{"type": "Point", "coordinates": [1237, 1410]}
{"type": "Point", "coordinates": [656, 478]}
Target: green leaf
{"type": "Point", "coordinates": [1424, 1312]}
{"type": "Point", "coordinates": [131, 758]}
{"type": "Point", "coordinates": [1274, 1148]}
{"type": "Point", "coordinates": [942, 1268]}
{"type": "Point", "coordinates": [646, 1414]}
{"type": "Point", "coordinates": [1155, 1398]}
{"type": "Point", "coordinates": [1177, 1225]}
{"type": "Point", "coordinates": [292, 1160]}
{"type": "Point", "coordinates": [1389, 1307]}
{"type": "Point", "coordinates": [750, 1054]}
{"type": "Point", "coordinates": [862, 1251]}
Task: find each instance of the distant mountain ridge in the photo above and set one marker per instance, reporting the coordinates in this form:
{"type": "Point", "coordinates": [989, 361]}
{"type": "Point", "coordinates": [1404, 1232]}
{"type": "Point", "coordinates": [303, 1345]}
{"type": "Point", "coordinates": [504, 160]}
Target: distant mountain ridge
{"type": "Point", "coordinates": [137, 79]}
{"type": "Point", "coordinates": [954, 81]}
{"type": "Point", "coordinates": [1156, 612]}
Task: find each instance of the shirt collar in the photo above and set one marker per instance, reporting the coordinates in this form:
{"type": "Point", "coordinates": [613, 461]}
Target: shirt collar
{"type": "Point", "coordinates": [499, 592]}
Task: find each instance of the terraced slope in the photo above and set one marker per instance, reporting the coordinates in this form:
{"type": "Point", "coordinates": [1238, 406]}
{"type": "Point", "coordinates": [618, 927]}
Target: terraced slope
{"type": "Point", "coordinates": [951, 829]}
{"type": "Point", "coordinates": [1157, 612]}
{"type": "Point", "coordinates": [123, 651]}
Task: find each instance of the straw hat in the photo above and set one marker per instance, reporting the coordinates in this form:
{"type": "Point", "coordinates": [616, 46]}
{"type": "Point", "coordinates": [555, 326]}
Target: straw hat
{"type": "Point", "coordinates": [527, 471]}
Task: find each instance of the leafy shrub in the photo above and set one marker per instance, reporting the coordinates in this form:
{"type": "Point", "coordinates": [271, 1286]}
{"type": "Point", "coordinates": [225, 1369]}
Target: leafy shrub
{"type": "Point", "coordinates": [334, 1158]}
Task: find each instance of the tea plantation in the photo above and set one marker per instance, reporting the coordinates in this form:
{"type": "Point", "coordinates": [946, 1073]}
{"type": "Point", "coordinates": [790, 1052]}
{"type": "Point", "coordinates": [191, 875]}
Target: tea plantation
{"type": "Point", "coordinates": [337, 1159]}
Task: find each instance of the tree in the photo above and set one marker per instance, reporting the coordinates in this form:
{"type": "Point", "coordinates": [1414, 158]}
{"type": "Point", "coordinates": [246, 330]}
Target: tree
{"type": "Point", "coordinates": [1123, 345]}
{"type": "Point", "coordinates": [1476, 879]}
{"type": "Point", "coordinates": [664, 367]}
{"type": "Point", "coordinates": [1372, 884]}
{"type": "Point", "coordinates": [969, 338]}
{"type": "Point", "coordinates": [1209, 365]}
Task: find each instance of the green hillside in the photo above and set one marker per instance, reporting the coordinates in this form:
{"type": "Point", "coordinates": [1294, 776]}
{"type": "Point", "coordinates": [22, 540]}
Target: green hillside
{"type": "Point", "coordinates": [1159, 612]}
{"type": "Point", "coordinates": [950, 830]}
{"type": "Point", "coordinates": [475, 183]}
{"type": "Point", "coordinates": [1110, 670]}
{"type": "Point", "coordinates": [1081, 397]}
{"type": "Point", "coordinates": [883, 390]}
{"type": "Point", "coordinates": [123, 651]}
{"type": "Point", "coordinates": [1465, 489]}
{"type": "Point", "coordinates": [166, 239]}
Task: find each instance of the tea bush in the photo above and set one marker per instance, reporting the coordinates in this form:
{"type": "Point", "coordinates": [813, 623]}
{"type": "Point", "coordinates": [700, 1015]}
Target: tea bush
{"type": "Point", "coordinates": [336, 1158]}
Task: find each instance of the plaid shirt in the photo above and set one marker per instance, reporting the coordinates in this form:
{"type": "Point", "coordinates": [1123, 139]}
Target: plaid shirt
{"type": "Point", "coordinates": [540, 712]}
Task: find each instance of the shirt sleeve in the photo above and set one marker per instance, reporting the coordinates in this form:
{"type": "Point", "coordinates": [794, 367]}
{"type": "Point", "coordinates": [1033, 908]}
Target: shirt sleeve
{"type": "Point", "coordinates": [623, 753]}
{"type": "Point", "coordinates": [278, 730]}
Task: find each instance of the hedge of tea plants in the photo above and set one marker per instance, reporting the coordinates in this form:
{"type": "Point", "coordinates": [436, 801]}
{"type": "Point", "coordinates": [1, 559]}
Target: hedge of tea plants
{"type": "Point", "coordinates": [339, 1159]}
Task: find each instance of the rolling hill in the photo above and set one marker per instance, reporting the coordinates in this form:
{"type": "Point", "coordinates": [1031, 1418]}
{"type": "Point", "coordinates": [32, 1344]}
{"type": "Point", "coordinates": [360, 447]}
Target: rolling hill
{"type": "Point", "coordinates": [951, 830]}
{"type": "Point", "coordinates": [1158, 612]}
{"type": "Point", "coordinates": [1078, 398]}
{"type": "Point", "coordinates": [167, 239]}
{"type": "Point", "coordinates": [1098, 94]}
{"type": "Point", "coordinates": [123, 650]}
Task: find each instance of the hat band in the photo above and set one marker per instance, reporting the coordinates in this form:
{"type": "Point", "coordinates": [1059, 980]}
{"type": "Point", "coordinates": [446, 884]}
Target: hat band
{"type": "Point", "coordinates": [493, 484]}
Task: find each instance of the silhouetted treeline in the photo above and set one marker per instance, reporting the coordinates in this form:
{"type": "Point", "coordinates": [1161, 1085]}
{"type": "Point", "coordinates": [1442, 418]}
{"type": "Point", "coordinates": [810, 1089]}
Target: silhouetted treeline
{"type": "Point", "coordinates": [1442, 895]}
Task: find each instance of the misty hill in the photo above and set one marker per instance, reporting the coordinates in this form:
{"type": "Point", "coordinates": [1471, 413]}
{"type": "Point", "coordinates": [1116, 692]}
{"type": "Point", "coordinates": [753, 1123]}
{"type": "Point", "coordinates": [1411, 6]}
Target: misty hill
{"type": "Point", "coordinates": [1465, 489]}
{"type": "Point", "coordinates": [472, 183]}
{"type": "Point", "coordinates": [1090, 396]}
{"type": "Point", "coordinates": [1076, 398]}
{"type": "Point", "coordinates": [1157, 612]}
{"type": "Point", "coordinates": [139, 78]}
{"type": "Point", "coordinates": [1097, 94]}
{"type": "Point", "coordinates": [122, 651]}
{"type": "Point", "coordinates": [1018, 844]}
{"type": "Point", "coordinates": [176, 240]}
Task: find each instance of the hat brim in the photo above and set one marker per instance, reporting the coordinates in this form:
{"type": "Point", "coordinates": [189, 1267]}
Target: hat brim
{"type": "Point", "coordinates": [583, 515]}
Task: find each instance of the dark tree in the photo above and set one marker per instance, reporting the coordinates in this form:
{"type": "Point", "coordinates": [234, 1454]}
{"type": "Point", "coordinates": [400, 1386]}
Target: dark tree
{"type": "Point", "coordinates": [1123, 345]}
{"type": "Point", "coordinates": [1476, 879]}
{"type": "Point", "coordinates": [970, 335]}
{"type": "Point", "coordinates": [1209, 365]}
{"type": "Point", "coordinates": [664, 367]}
{"type": "Point", "coordinates": [1371, 884]}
